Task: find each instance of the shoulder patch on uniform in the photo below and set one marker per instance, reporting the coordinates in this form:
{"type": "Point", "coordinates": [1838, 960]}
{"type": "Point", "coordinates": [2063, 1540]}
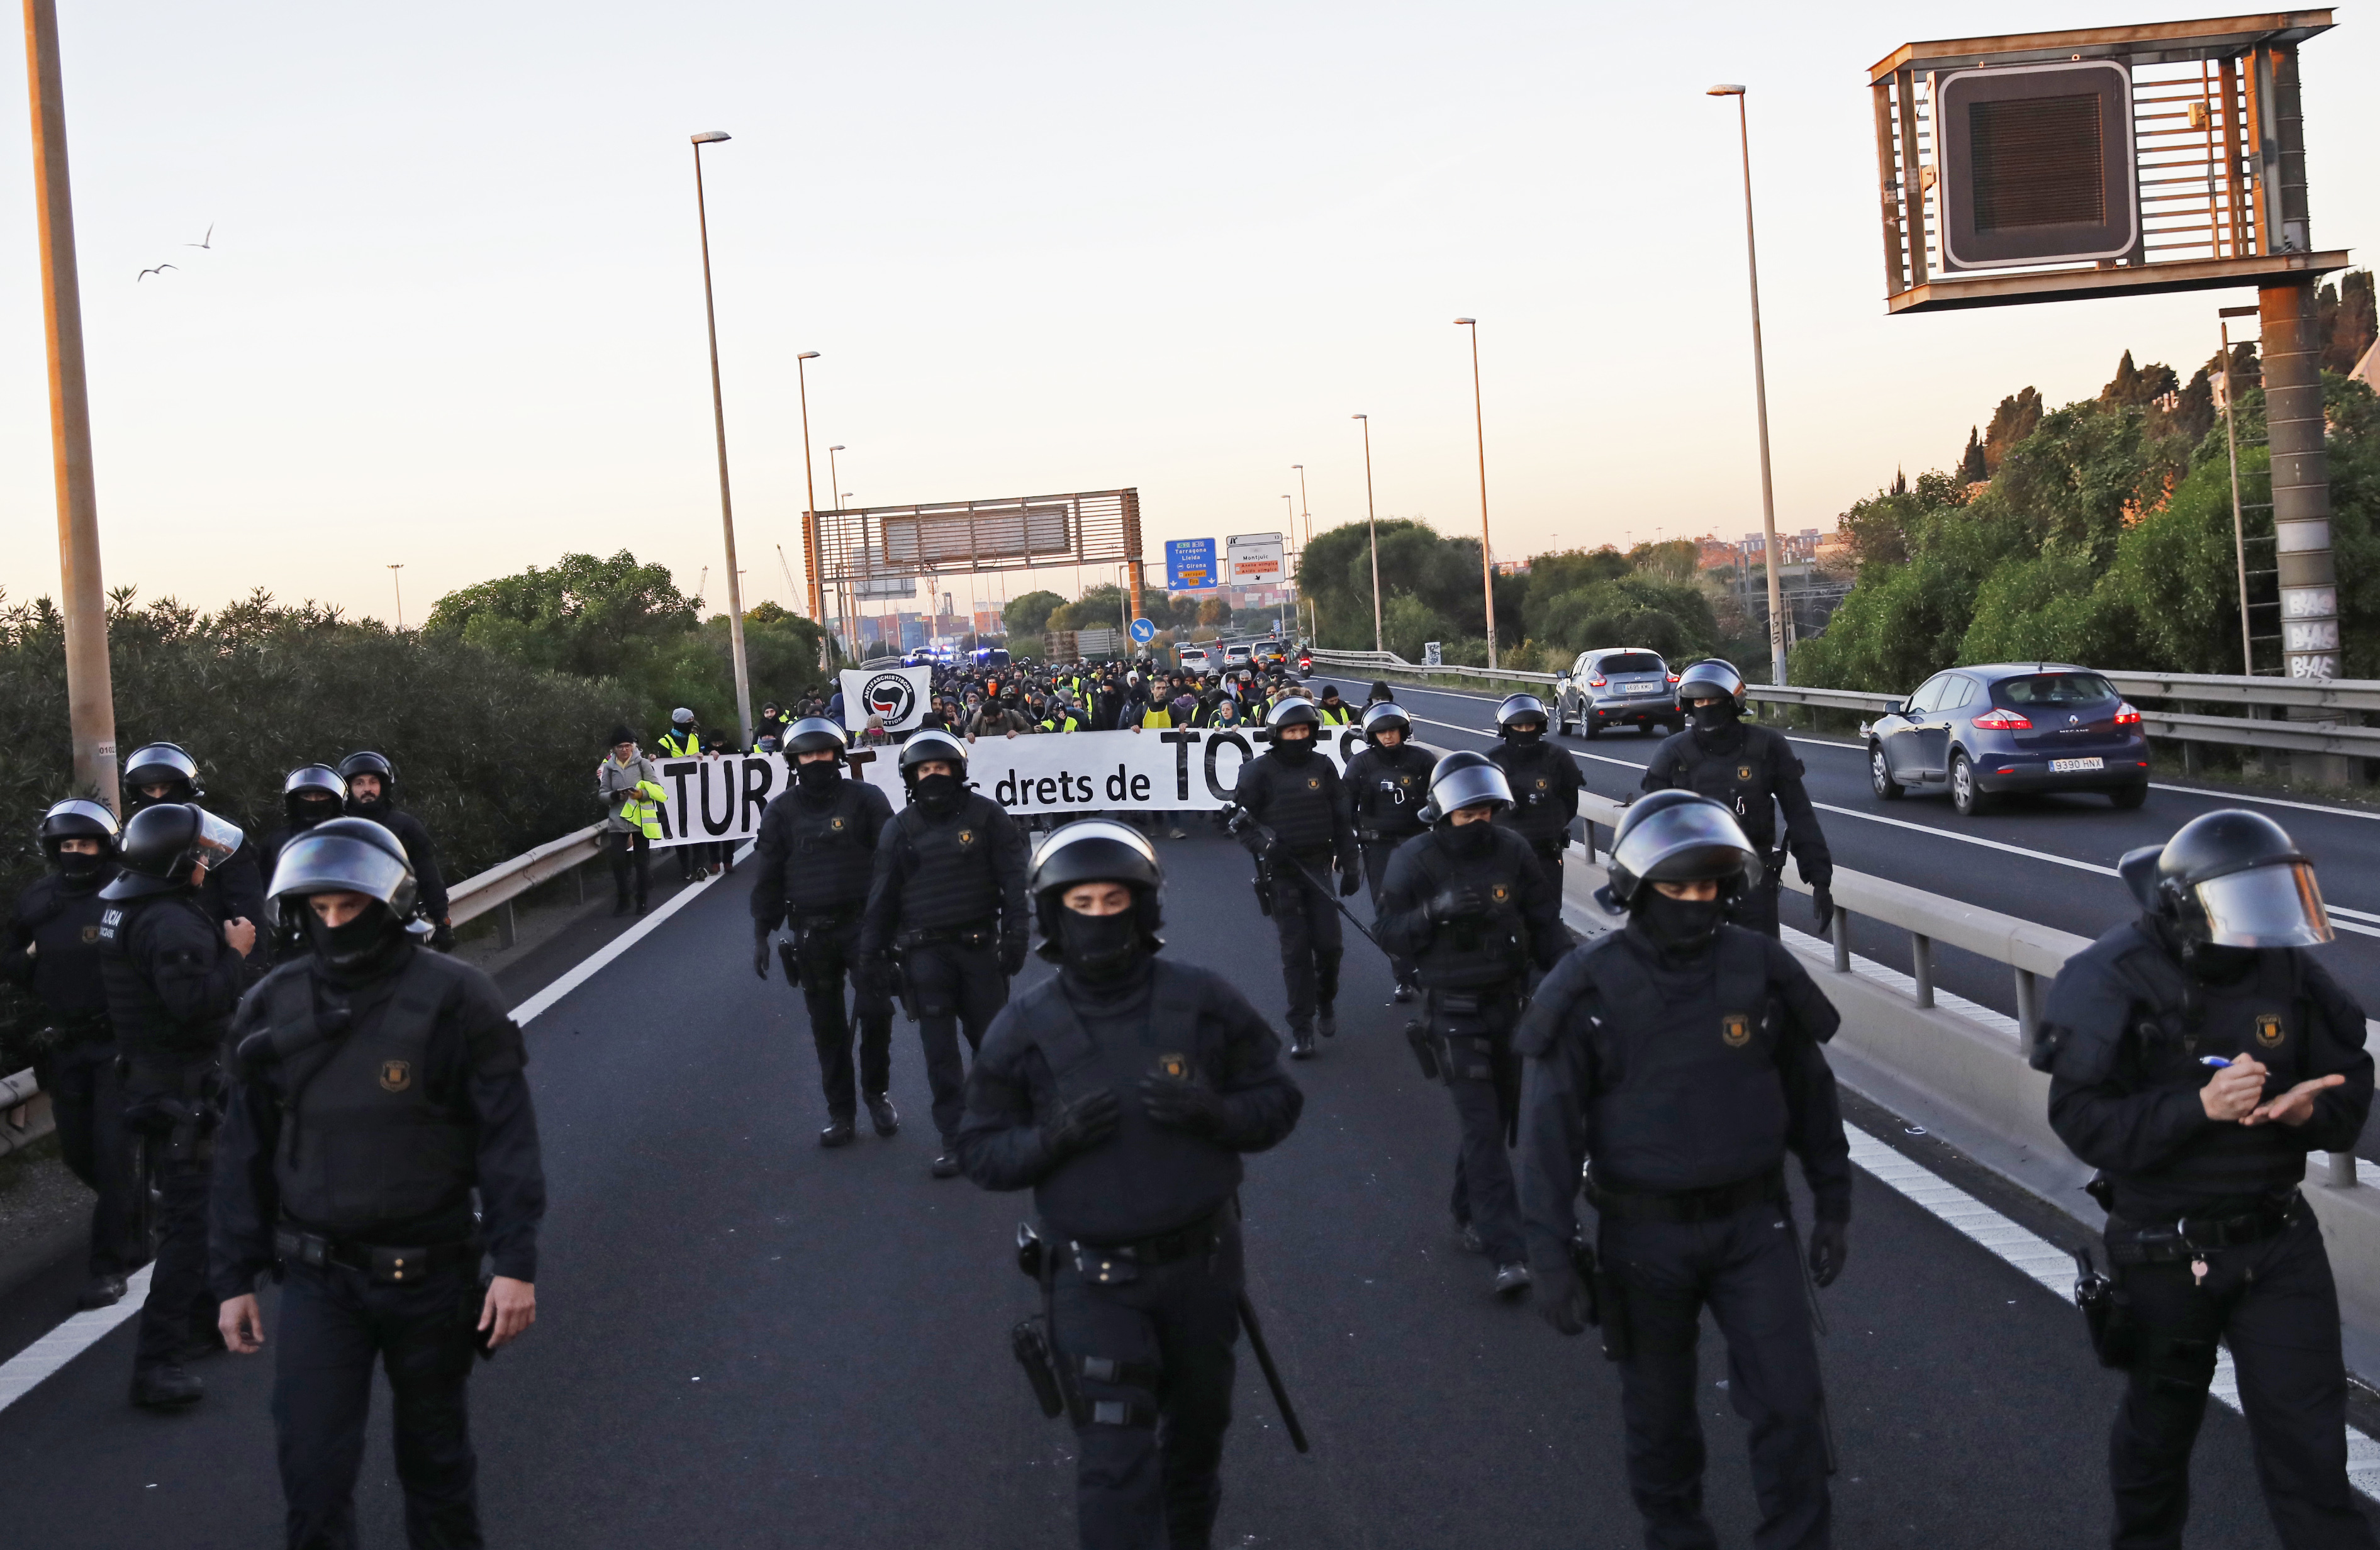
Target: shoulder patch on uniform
{"type": "Point", "coordinates": [2269, 1028]}
{"type": "Point", "coordinates": [1501, 892]}
{"type": "Point", "coordinates": [395, 1076]}
{"type": "Point", "coordinates": [1736, 1029]}
{"type": "Point", "coordinates": [835, 824]}
{"type": "Point", "coordinates": [1314, 783]}
{"type": "Point", "coordinates": [966, 836]}
{"type": "Point", "coordinates": [89, 935]}
{"type": "Point", "coordinates": [1743, 772]}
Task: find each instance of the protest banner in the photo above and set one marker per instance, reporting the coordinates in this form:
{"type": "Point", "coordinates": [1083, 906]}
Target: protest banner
{"type": "Point", "coordinates": [897, 695]}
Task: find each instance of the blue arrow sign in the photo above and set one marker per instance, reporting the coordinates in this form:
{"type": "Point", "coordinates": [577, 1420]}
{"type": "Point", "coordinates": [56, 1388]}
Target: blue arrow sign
{"type": "Point", "coordinates": [1142, 631]}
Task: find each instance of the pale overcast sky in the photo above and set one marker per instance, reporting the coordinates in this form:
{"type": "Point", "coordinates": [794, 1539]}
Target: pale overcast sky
{"type": "Point", "coordinates": [453, 314]}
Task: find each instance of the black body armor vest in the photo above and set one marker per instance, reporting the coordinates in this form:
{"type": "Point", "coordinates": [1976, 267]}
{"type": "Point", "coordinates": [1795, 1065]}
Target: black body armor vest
{"type": "Point", "coordinates": [1391, 786]}
{"type": "Point", "coordinates": [1485, 949]}
{"type": "Point", "coordinates": [946, 872]}
{"type": "Point", "coordinates": [833, 852]}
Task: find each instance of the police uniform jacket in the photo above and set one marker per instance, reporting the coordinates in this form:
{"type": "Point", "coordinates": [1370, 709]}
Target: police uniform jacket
{"type": "Point", "coordinates": [235, 890]}
{"type": "Point", "coordinates": [816, 856]}
{"type": "Point", "coordinates": [172, 980]}
{"type": "Point", "coordinates": [1062, 1040]}
{"type": "Point", "coordinates": [1545, 783]}
{"type": "Point", "coordinates": [1299, 802]}
{"type": "Point", "coordinates": [1522, 924]}
{"type": "Point", "coordinates": [1384, 791]}
{"type": "Point", "coordinates": [368, 1109]}
{"type": "Point", "coordinates": [1750, 770]}
{"type": "Point", "coordinates": [963, 869]}
{"type": "Point", "coordinates": [429, 883]}
{"type": "Point", "coordinates": [2123, 1034]}
{"type": "Point", "coordinates": [60, 921]}
{"type": "Point", "coordinates": [1675, 1073]}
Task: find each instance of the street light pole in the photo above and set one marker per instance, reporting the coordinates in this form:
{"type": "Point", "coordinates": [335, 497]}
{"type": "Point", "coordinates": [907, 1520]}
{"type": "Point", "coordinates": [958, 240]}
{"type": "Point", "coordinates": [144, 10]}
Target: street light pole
{"type": "Point", "coordinates": [1372, 524]}
{"type": "Point", "coordinates": [91, 699]}
{"type": "Point", "coordinates": [719, 425]}
{"type": "Point", "coordinates": [1306, 507]}
{"type": "Point", "coordinates": [397, 583]}
{"type": "Point", "coordinates": [810, 510]}
{"type": "Point", "coordinates": [1760, 399]}
{"type": "Point", "coordinates": [1487, 554]}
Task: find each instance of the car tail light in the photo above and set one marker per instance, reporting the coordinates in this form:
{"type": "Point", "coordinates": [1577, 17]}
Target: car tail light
{"type": "Point", "coordinates": [2002, 720]}
{"type": "Point", "coordinates": [1596, 683]}
{"type": "Point", "coordinates": [1673, 678]}
{"type": "Point", "coordinates": [2125, 715]}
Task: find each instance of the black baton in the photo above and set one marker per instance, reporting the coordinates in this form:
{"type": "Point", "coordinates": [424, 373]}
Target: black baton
{"type": "Point", "coordinates": [1272, 1373]}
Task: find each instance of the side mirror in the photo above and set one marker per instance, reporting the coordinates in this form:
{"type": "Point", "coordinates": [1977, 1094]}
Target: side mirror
{"type": "Point", "coordinates": [1893, 706]}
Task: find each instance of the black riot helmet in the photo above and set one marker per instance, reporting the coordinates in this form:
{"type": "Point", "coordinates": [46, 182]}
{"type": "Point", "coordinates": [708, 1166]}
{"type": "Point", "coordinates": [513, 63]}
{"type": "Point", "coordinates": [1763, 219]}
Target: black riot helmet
{"type": "Point", "coordinates": [2232, 879]}
{"type": "Point", "coordinates": [1087, 851]}
{"type": "Point", "coordinates": [926, 746]}
{"type": "Point", "coordinates": [1293, 712]}
{"type": "Point", "coordinates": [160, 845]}
{"type": "Point", "coordinates": [312, 794]}
{"type": "Point", "coordinates": [1712, 678]}
{"type": "Point", "coordinates": [77, 818]}
{"type": "Point", "coordinates": [816, 734]}
{"type": "Point", "coordinates": [345, 856]}
{"type": "Point", "coordinates": [160, 764]}
{"type": "Point", "coordinates": [1518, 711]}
{"type": "Point", "coordinates": [366, 762]}
{"type": "Point", "coordinates": [1386, 716]}
{"type": "Point", "coordinates": [1677, 837]}
{"type": "Point", "coordinates": [1464, 779]}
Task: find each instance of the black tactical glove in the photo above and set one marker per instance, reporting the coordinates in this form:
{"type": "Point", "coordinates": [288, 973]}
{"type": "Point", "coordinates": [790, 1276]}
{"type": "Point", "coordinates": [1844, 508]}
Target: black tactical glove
{"type": "Point", "coordinates": [1350, 877]}
{"type": "Point", "coordinates": [760, 949]}
{"type": "Point", "coordinates": [1181, 1106]}
{"type": "Point", "coordinates": [1455, 903]}
{"type": "Point", "coordinates": [1561, 1297]}
{"type": "Point", "coordinates": [1822, 901]}
{"type": "Point", "coordinates": [1829, 1246]}
{"type": "Point", "coordinates": [1012, 956]}
{"type": "Point", "coordinates": [442, 935]}
{"type": "Point", "coordinates": [1082, 1124]}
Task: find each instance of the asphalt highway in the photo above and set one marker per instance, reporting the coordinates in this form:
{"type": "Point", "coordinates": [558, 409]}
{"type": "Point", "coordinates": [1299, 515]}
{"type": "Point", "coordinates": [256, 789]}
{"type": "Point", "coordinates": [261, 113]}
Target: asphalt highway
{"type": "Point", "coordinates": [2049, 859]}
{"type": "Point", "coordinates": [744, 1340]}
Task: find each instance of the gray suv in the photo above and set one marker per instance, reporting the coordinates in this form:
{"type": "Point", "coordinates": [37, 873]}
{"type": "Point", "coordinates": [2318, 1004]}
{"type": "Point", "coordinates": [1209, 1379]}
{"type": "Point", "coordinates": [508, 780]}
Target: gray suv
{"type": "Point", "coordinates": [1617, 686]}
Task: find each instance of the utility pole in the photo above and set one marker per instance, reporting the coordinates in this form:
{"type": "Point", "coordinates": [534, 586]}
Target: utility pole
{"type": "Point", "coordinates": [90, 700]}
{"type": "Point", "coordinates": [395, 581]}
{"type": "Point", "coordinates": [1760, 399]}
{"type": "Point", "coordinates": [1487, 554]}
{"type": "Point", "coordinates": [719, 423]}
{"type": "Point", "coordinates": [1372, 522]}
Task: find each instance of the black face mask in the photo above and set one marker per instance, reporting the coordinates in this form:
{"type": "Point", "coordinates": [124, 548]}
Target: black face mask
{"type": "Point", "coordinates": [1294, 750]}
{"type": "Point", "coordinates": [1099, 948]}
{"type": "Point", "coordinates": [1712, 715]}
{"type": "Point", "coordinates": [938, 794]}
{"type": "Point", "coordinates": [819, 777]}
{"type": "Point", "coordinates": [2218, 966]}
{"type": "Point", "coordinates": [77, 868]}
{"type": "Point", "coordinates": [1467, 840]}
{"type": "Point", "coordinates": [1525, 737]}
{"type": "Point", "coordinates": [1679, 924]}
{"type": "Point", "coordinates": [359, 943]}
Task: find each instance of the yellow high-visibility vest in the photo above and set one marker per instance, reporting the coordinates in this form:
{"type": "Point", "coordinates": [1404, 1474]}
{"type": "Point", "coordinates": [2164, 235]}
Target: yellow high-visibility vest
{"type": "Point", "coordinates": [1334, 715]}
{"type": "Point", "coordinates": [1157, 717]}
{"type": "Point", "coordinates": [681, 745]}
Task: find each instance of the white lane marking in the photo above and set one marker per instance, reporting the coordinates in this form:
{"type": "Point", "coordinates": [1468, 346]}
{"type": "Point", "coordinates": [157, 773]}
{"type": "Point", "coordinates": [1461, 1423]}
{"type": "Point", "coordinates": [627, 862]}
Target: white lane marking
{"type": "Point", "coordinates": [2049, 1266]}
{"type": "Point", "coordinates": [23, 1371]}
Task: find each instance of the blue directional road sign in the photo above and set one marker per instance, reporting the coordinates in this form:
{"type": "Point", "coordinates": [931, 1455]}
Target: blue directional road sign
{"type": "Point", "coordinates": [1142, 631]}
{"type": "Point", "coordinates": [1189, 564]}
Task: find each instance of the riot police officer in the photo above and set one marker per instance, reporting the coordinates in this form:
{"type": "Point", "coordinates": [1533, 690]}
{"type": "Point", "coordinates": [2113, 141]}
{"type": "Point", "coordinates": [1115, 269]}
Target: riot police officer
{"type": "Point", "coordinates": [1123, 1091]}
{"type": "Point", "coordinates": [1682, 1055]}
{"type": "Point", "coordinates": [378, 1087]}
{"type": "Point", "coordinates": [948, 896]}
{"type": "Point", "coordinates": [162, 772]}
{"type": "Point", "coordinates": [2196, 1055]}
{"type": "Point", "coordinates": [1469, 905]}
{"type": "Point", "coordinates": [1384, 788]}
{"type": "Point", "coordinates": [372, 794]}
{"type": "Point", "coordinates": [1751, 771]}
{"type": "Point", "coordinates": [1289, 816]}
{"type": "Point", "coordinates": [51, 951]}
{"type": "Point", "coordinates": [817, 851]}
{"type": "Point", "coordinates": [1544, 778]}
{"type": "Point", "coordinates": [173, 973]}
{"type": "Point", "coordinates": [309, 794]}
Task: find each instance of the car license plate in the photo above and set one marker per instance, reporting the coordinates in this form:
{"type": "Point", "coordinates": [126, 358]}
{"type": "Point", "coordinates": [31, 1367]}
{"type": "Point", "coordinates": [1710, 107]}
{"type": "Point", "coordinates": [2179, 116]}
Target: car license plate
{"type": "Point", "coordinates": [1641, 689]}
{"type": "Point", "coordinates": [2069, 766]}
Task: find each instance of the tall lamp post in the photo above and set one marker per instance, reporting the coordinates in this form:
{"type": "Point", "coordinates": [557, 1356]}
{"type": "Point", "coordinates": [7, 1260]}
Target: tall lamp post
{"type": "Point", "coordinates": [1291, 502]}
{"type": "Point", "coordinates": [396, 582]}
{"type": "Point", "coordinates": [1760, 398]}
{"type": "Point", "coordinates": [719, 425]}
{"type": "Point", "coordinates": [91, 699]}
{"type": "Point", "coordinates": [1313, 609]}
{"type": "Point", "coordinates": [1372, 524]}
{"type": "Point", "coordinates": [809, 508]}
{"type": "Point", "coordinates": [1487, 554]}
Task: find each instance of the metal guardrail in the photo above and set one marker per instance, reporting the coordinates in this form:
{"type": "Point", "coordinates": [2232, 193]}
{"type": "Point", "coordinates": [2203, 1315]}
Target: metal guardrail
{"type": "Point", "coordinates": [495, 888]}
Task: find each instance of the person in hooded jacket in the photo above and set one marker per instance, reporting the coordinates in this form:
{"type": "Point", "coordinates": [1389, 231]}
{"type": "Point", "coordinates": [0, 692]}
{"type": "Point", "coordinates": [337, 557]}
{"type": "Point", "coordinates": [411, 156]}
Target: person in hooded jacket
{"type": "Point", "coordinates": [816, 856]}
{"type": "Point", "coordinates": [1544, 781]}
{"type": "Point", "coordinates": [2196, 1055]}
{"type": "Point", "coordinates": [1682, 1055]}
{"type": "Point", "coordinates": [372, 794]}
{"type": "Point", "coordinates": [1123, 1091]}
{"type": "Point", "coordinates": [1752, 771]}
{"type": "Point", "coordinates": [173, 973]}
{"type": "Point", "coordinates": [155, 773]}
{"type": "Point", "coordinates": [379, 1145]}
{"type": "Point", "coordinates": [51, 950]}
{"type": "Point", "coordinates": [947, 894]}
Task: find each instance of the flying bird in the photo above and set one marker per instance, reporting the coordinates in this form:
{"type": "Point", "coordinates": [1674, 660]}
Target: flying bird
{"type": "Point", "coordinates": [146, 273]}
{"type": "Point", "coordinates": [209, 243]}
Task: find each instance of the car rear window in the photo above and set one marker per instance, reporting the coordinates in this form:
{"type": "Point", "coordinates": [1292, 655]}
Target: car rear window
{"type": "Point", "coordinates": [2067, 690]}
{"type": "Point", "coordinates": [1630, 661]}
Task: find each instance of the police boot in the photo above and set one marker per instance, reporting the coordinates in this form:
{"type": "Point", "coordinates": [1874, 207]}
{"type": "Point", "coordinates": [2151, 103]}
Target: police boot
{"type": "Point", "coordinates": [838, 1131]}
{"type": "Point", "coordinates": [1326, 1021]}
{"type": "Point", "coordinates": [946, 1165]}
{"type": "Point", "coordinates": [1512, 1279]}
{"type": "Point", "coordinates": [1404, 991]}
{"type": "Point", "coordinates": [164, 1387]}
{"type": "Point", "coordinates": [1301, 1044]}
{"type": "Point", "coordinates": [882, 1113]}
{"type": "Point", "coordinates": [104, 1292]}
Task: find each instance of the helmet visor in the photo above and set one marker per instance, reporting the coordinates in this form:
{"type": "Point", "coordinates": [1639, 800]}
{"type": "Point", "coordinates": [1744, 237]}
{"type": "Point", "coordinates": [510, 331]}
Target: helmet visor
{"type": "Point", "coordinates": [339, 863]}
{"type": "Point", "coordinates": [1689, 843]}
{"type": "Point", "coordinates": [2265, 906]}
{"type": "Point", "coordinates": [217, 839]}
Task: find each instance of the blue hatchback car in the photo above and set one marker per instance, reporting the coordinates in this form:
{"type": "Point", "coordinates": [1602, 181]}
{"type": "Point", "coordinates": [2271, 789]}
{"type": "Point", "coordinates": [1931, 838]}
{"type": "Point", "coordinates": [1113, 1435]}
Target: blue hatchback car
{"type": "Point", "coordinates": [1979, 732]}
